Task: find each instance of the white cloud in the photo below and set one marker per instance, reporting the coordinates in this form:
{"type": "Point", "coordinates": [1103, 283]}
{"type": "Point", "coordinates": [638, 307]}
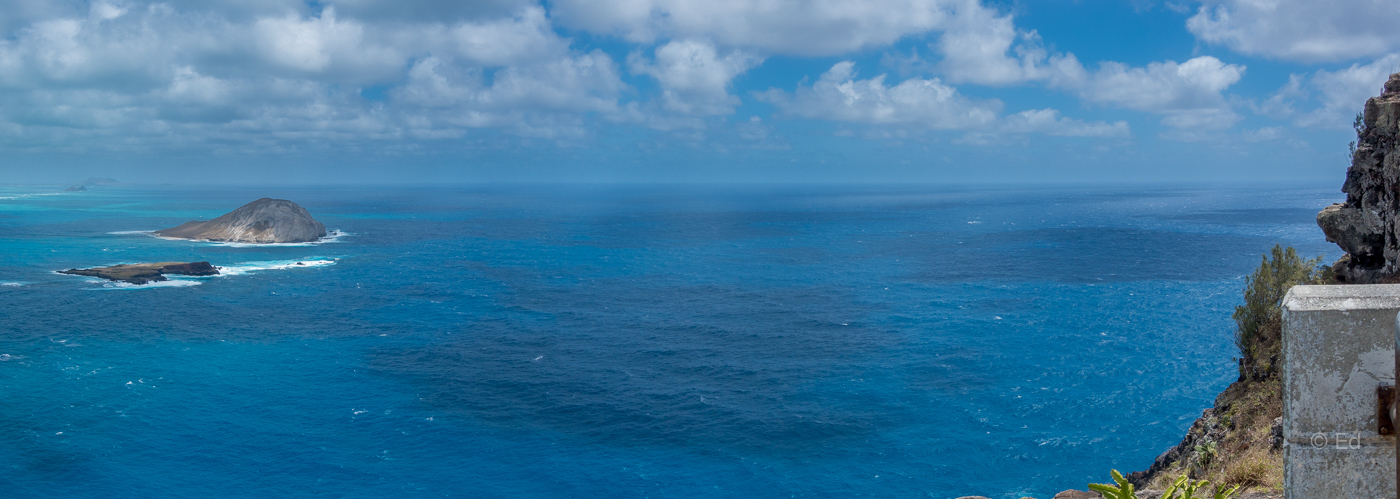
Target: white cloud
{"type": "Point", "coordinates": [269, 70]}
{"type": "Point", "coordinates": [839, 96]}
{"type": "Point", "coordinates": [923, 103]}
{"type": "Point", "coordinates": [1329, 99]}
{"type": "Point", "coordinates": [187, 73]}
{"type": "Point", "coordinates": [1300, 30]}
{"type": "Point", "coordinates": [695, 78]}
{"type": "Point", "coordinates": [324, 44]}
{"type": "Point", "coordinates": [523, 98]}
{"type": "Point", "coordinates": [525, 37]}
{"type": "Point", "coordinates": [429, 11]}
{"type": "Point", "coordinates": [1189, 93]}
{"type": "Point", "coordinates": [1049, 122]}
{"type": "Point", "coordinates": [795, 27]}
{"type": "Point", "coordinates": [981, 46]}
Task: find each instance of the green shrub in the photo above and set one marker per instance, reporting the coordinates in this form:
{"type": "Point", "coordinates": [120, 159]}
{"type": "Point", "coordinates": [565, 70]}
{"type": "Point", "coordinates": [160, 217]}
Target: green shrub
{"type": "Point", "coordinates": [1122, 490]}
{"type": "Point", "coordinates": [1183, 488]}
{"type": "Point", "coordinates": [1263, 296]}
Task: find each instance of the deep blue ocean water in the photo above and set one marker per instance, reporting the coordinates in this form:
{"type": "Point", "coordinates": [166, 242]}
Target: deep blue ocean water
{"type": "Point", "coordinates": [626, 341]}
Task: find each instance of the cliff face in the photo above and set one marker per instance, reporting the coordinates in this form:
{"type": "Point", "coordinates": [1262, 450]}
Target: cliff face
{"type": "Point", "coordinates": [1367, 225]}
{"type": "Point", "coordinates": [263, 221]}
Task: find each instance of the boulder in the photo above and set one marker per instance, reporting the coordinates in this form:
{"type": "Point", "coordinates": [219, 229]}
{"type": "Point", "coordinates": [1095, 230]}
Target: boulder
{"type": "Point", "coordinates": [1078, 494]}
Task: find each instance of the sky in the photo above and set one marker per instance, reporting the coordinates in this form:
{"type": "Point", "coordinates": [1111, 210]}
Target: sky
{"type": "Point", "coordinates": [422, 91]}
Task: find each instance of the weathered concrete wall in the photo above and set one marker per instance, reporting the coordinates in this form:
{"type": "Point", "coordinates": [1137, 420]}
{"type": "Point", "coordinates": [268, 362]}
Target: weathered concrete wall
{"type": "Point", "coordinates": [1338, 346]}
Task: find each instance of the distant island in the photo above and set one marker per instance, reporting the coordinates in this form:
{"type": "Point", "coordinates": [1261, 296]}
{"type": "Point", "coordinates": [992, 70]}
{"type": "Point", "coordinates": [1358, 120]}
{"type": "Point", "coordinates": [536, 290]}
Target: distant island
{"type": "Point", "coordinates": [263, 221]}
{"type": "Point", "coordinates": [142, 273]}
{"type": "Point", "coordinates": [91, 181]}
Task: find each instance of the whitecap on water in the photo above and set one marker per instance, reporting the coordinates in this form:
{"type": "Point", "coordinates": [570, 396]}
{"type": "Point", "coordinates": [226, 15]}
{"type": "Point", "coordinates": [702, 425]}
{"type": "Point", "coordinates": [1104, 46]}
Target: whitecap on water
{"type": "Point", "coordinates": [22, 196]}
{"type": "Point", "coordinates": [246, 267]}
{"type": "Point", "coordinates": [11, 284]}
{"type": "Point", "coordinates": [173, 283]}
{"type": "Point", "coordinates": [332, 236]}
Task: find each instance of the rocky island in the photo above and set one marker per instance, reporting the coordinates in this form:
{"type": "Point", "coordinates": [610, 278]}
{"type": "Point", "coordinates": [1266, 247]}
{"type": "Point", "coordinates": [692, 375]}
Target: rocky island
{"type": "Point", "coordinates": [142, 273]}
{"type": "Point", "coordinates": [263, 221]}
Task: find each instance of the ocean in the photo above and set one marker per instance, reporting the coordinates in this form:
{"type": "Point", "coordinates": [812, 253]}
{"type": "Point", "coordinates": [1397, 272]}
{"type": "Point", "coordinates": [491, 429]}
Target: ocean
{"type": "Point", "coordinates": [626, 340]}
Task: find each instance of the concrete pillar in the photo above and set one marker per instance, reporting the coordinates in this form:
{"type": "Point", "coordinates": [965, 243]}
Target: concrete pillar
{"type": "Point", "coordinates": [1338, 347]}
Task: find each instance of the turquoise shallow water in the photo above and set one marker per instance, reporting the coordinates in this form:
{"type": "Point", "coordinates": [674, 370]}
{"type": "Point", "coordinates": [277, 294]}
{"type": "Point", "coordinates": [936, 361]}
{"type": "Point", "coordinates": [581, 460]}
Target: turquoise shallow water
{"type": "Point", "coordinates": [574, 341]}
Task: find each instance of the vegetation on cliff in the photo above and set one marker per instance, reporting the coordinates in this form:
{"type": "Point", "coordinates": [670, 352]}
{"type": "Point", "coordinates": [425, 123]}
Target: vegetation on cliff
{"type": "Point", "coordinates": [1238, 441]}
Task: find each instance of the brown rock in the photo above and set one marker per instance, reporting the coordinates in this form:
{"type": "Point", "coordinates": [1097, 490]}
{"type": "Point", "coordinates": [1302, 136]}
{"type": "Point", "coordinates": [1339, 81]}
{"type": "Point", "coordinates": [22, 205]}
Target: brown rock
{"type": "Point", "coordinates": [1077, 494]}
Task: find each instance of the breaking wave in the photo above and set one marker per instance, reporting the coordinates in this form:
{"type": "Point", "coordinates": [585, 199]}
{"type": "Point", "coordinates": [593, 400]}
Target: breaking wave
{"type": "Point", "coordinates": [332, 236]}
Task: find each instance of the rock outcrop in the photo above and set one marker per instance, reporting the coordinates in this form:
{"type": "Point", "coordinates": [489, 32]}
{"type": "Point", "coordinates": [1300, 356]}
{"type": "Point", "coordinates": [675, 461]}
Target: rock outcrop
{"type": "Point", "coordinates": [1367, 225]}
{"type": "Point", "coordinates": [263, 221]}
{"type": "Point", "coordinates": [142, 273]}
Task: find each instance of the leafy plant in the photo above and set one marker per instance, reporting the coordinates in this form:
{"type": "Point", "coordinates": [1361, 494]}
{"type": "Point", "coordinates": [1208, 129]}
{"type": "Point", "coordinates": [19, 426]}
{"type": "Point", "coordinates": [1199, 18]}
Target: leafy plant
{"type": "Point", "coordinates": [1263, 296]}
{"type": "Point", "coordinates": [1185, 488]}
{"type": "Point", "coordinates": [1123, 489]}
{"type": "Point", "coordinates": [1205, 452]}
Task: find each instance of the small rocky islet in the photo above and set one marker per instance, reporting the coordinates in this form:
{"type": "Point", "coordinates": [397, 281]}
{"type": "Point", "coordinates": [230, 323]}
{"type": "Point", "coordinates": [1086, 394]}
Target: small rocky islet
{"type": "Point", "coordinates": [144, 273]}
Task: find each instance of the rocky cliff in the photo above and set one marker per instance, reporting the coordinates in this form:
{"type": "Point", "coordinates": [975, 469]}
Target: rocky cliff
{"type": "Point", "coordinates": [263, 221]}
{"type": "Point", "coordinates": [1239, 439]}
{"type": "Point", "coordinates": [1367, 225]}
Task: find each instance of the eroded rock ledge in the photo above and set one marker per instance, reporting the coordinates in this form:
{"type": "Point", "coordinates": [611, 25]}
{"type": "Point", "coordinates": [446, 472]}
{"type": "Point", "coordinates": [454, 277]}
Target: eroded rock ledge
{"type": "Point", "coordinates": [142, 273]}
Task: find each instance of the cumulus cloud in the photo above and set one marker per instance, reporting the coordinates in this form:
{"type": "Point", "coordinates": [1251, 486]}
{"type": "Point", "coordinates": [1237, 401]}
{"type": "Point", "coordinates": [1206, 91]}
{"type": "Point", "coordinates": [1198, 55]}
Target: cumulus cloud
{"type": "Point", "coordinates": [839, 96]}
{"type": "Point", "coordinates": [1329, 99]}
{"type": "Point", "coordinates": [265, 71]}
{"type": "Point", "coordinates": [981, 46]}
{"type": "Point", "coordinates": [524, 37]}
{"type": "Point", "coordinates": [792, 27]}
{"type": "Point", "coordinates": [322, 44]}
{"type": "Point", "coordinates": [1189, 94]}
{"type": "Point", "coordinates": [694, 77]}
{"type": "Point", "coordinates": [1049, 122]}
{"type": "Point", "coordinates": [1300, 30]}
{"type": "Point", "coordinates": [271, 70]}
